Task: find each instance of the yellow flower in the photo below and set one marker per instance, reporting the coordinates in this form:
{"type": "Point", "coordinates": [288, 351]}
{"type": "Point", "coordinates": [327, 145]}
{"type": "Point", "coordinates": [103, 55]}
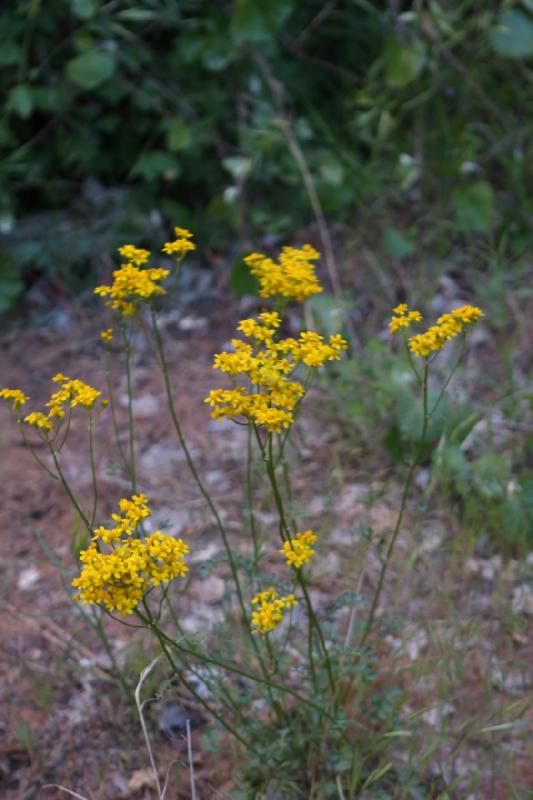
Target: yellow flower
{"type": "Point", "coordinates": [134, 254]}
{"type": "Point", "coordinates": [15, 396]}
{"type": "Point", "coordinates": [292, 278]}
{"type": "Point", "coordinates": [270, 612]}
{"type": "Point", "coordinates": [403, 318]}
{"type": "Point", "coordinates": [447, 327]}
{"type": "Point", "coordinates": [269, 397]}
{"type": "Point", "coordinates": [72, 393]}
{"type": "Point", "coordinates": [120, 578]}
{"type": "Point", "coordinates": [134, 511]}
{"type": "Point", "coordinates": [298, 551]}
{"type": "Point", "coordinates": [132, 286]}
{"type": "Point", "coordinates": [182, 243]}
{"type": "Point", "coordinates": [39, 420]}
{"type": "Point", "coordinates": [107, 336]}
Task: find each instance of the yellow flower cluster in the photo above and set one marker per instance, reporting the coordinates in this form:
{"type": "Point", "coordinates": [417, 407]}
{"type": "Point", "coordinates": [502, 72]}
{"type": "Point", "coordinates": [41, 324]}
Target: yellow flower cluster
{"type": "Point", "coordinates": [182, 243]}
{"type": "Point", "coordinates": [135, 255]}
{"type": "Point", "coordinates": [72, 393]}
{"type": "Point", "coordinates": [447, 327]}
{"type": "Point", "coordinates": [134, 511]}
{"type": "Point", "coordinates": [403, 318]}
{"type": "Point", "coordinates": [132, 286]}
{"type": "Point", "coordinates": [298, 551]}
{"type": "Point", "coordinates": [107, 336]}
{"type": "Point", "coordinates": [119, 579]}
{"type": "Point", "coordinates": [270, 612]}
{"type": "Point", "coordinates": [293, 278]}
{"type": "Point", "coordinates": [267, 363]}
{"type": "Point", "coordinates": [16, 397]}
{"type": "Point", "coordinates": [39, 420]}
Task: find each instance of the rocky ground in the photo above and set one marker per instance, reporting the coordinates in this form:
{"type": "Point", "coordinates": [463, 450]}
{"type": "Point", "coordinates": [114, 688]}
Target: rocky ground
{"type": "Point", "coordinates": [464, 652]}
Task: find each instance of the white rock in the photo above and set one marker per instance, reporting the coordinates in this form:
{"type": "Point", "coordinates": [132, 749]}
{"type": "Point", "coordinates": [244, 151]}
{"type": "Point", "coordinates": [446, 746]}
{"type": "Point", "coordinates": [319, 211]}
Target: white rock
{"type": "Point", "coordinates": [28, 578]}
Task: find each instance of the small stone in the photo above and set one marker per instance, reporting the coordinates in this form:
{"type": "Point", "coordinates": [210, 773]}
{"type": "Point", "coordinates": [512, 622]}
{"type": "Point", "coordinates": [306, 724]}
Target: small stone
{"type": "Point", "coordinates": [28, 578]}
{"type": "Point", "coordinates": [523, 600]}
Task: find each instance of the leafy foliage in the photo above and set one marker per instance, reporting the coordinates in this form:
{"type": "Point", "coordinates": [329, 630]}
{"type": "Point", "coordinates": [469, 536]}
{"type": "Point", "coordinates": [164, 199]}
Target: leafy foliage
{"type": "Point", "coordinates": [183, 103]}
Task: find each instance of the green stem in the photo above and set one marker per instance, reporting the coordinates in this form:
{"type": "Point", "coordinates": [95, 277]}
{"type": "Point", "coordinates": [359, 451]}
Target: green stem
{"type": "Point", "coordinates": [34, 454]}
{"type": "Point", "coordinates": [68, 490]}
{"type": "Point", "coordinates": [131, 429]}
{"type": "Point", "coordinates": [192, 467]}
{"type": "Point", "coordinates": [93, 471]}
{"type": "Point", "coordinates": [110, 394]}
{"type": "Point", "coordinates": [450, 376]}
{"type": "Point", "coordinates": [250, 500]}
{"type": "Point", "coordinates": [403, 503]}
{"type": "Point", "coordinates": [102, 635]}
{"type": "Point", "coordinates": [229, 667]}
{"type": "Point", "coordinates": [285, 535]}
{"type": "Point", "coordinates": [199, 699]}
{"type": "Point", "coordinates": [203, 491]}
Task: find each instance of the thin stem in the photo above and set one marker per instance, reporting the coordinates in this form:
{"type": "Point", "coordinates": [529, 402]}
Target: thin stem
{"type": "Point", "coordinates": [93, 471]}
{"type": "Point", "coordinates": [34, 454]}
{"type": "Point", "coordinates": [265, 681]}
{"type": "Point", "coordinates": [285, 535]}
{"type": "Point", "coordinates": [199, 699]}
{"type": "Point", "coordinates": [68, 490]}
{"type": "Point", "coordinates": [192, 467]}
{"type": "Point", "coordinates": [203, 491]}
{"type": "Point", "coordinates": [131, 429]}
{"type": "Point", "coordinates": [403, 503]}
{"type": "Point", "coordinates": [450, 376]}
{"type": "Point", "coordinates": [110, 394]}
{"type": "Point", "coordinates": [102, 635]}
{"type": "Point", "coordinates": [250, 499]}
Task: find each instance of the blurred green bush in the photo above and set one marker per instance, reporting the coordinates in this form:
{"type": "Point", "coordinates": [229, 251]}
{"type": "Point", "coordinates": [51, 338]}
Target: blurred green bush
{"type": "Point", "coordinates": [117, 117]}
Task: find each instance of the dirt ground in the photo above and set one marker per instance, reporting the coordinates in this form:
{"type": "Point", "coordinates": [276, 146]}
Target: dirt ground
{"type": "Point", "coordinates": [62, 721]}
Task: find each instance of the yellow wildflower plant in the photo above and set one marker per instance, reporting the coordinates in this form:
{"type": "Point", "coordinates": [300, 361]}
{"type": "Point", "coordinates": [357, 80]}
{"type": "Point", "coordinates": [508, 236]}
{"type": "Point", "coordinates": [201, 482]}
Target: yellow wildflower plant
{"type": "Point", "coordinates": [270, 612]}
{"type": "Point", "coordinates": [15, 397]}
{"type": "Point", "coordinates": [134, 512]}
{"type": "Point", "coordinates": [292, 278]}
{"type": "Point", "coordinates": [298, 550]}
{"type": "Point", "coordinates": [119, 579]}
{"type": "Point", "coordinates": [134, 255]}
{"type": "Point", "coordinates": [447, 327]}
{"type": "Point", "coordinates": [403, 318]}
{"type": "Point", "coordinates": [107, 336]}
{"type": "Point", "coordinates": [181, 245]}
{"type": "Point", "coordinates": [269, 397]}
{"type": "Point", "coordinates": [132, 286]}
{"type": "Point", "coordinates": [39, 420]}
{"type": "Point", "coordinates": [72, 393]}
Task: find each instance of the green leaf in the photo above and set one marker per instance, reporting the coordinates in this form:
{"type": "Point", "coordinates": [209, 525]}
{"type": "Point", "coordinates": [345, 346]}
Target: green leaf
{"type": "Point", "coordinates": [137, 15]}
{"type": "Point", "coordinates": [332, 171]}
{"type": "Point", "coordinates": [330, 312]}
{"type": "Point", "coordinates": [259, 20]}
{"type": "Point", "coordinates": [90, 69]}
{"type": "Point", "coordinates": [178, 134]}
{"type": "Point", "coordinates": [241, 280]}
{"type": "Point", "coordinates": [238, 167]}
{"type": "Point", "coordinates": [83, 9]}
{"type": "Point", "coordinates": [20, 101]}
{"type": "Point", "coordinates": [11, 284]}
{"type": "Point", "coordinates": [397, 244]}
{"type": "Point", "coordinates": [403, 64]}
{"type": "Point", "coordinates": [152, 166]}
{"type": "Point", "coordinates": [512, 36]}
{"type": "Point", "coordinates": [474, 206]}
